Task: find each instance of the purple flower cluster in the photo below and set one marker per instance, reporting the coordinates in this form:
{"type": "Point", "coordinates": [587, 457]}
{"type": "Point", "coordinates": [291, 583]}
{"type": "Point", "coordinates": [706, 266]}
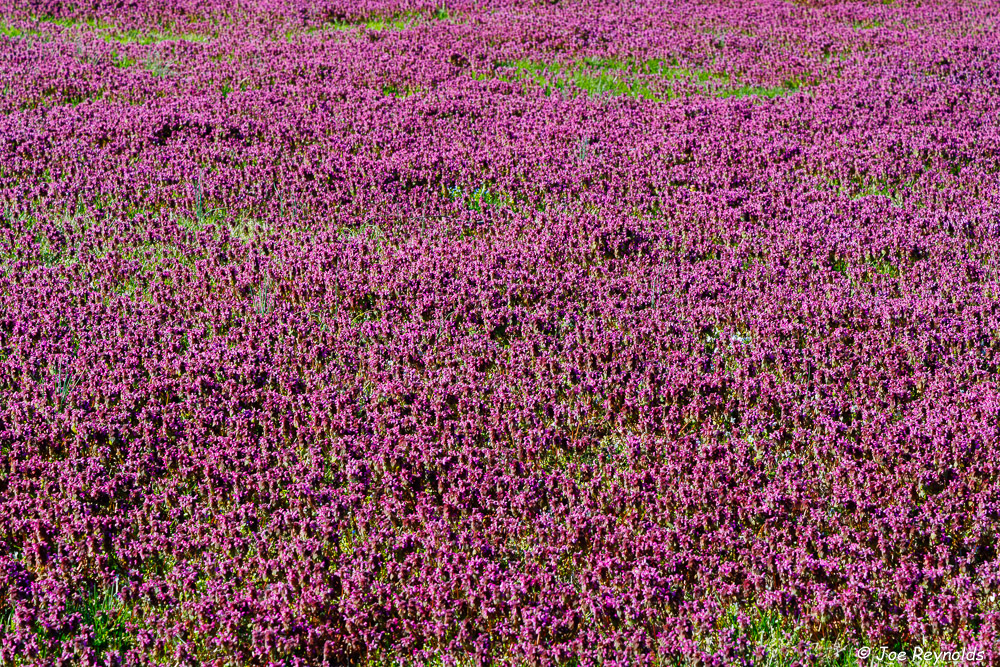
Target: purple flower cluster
{"type": "Point", "coordinates": [506, 332]}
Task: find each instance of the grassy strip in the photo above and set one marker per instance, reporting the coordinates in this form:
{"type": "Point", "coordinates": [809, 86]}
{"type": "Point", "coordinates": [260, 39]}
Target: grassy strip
{"type": "Point", "coordinates": [378, 23]}
{"type": "Point", "coordinates": [651, 79]}
{"type": "Point", "coordinates": [106, 31]}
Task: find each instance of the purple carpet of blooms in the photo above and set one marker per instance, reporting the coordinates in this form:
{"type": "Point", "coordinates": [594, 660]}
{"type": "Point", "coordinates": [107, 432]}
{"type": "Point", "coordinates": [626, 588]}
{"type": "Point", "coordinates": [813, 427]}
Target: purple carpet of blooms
{"type": "Point", "coordinates": [566, 332]}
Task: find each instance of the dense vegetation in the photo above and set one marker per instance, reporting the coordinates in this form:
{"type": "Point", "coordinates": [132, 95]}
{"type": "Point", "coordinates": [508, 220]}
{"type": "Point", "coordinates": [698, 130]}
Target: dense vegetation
{"type": "Point", "coordinates": [497, 332]}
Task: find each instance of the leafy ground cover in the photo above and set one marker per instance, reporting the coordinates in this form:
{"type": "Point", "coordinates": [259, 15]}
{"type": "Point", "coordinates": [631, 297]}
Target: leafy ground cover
{"type": "Point", "coordinates": [509, 332]}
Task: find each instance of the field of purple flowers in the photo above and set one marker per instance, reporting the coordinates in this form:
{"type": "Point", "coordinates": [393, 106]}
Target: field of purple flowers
{"type": "Point", "coordinates": [514, 332]}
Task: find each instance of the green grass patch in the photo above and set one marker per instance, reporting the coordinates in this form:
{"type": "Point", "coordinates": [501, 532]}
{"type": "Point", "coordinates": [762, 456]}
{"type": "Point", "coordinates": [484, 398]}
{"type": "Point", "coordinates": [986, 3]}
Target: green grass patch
{"type": "Point", "coordinates": [73, 23]}
{"type": "Point", "coordinates": [780, 638]}
{"type": "Point", "coordinates": [591, 76]}
{"type": "Point", "coordinates": [400, 90]}
{"type": "Point", "coordinates": [146, 38]}
{"type": "Point", "coordinates": [869, 24]}
{"type": "Point", "coordinates": [104, 610]}
{"type": "Point", "coordinates": [884, 263]}
{"type": "Point", "coordinates": [476, 198]}
{"type": "Point", "coordinates": [120, 61]}
{"type": "Point", "coordinates": [111, 33]}
{"type": "Point", "coordinates": [654, 79]}
{"type": "Point", "coordinates": [14, 32]}
{"type": "Point", "coordinates": [859, 186]}
{"type": "Point", "coordinates": [884, 268]}
{"type": "Point", "coordinates": [766, 92]}
{"type": "Point", "coordinates": [384, 23]}
{"type": "Point", "coordinates": [389, 23]}
{"type": "Point", "coordinates": [100, 608]}
{"type": "Point", "coordinates": [882, 189]}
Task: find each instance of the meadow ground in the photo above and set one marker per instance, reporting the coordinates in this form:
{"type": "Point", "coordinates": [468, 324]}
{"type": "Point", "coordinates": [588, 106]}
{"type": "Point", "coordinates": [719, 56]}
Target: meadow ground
{"type": "Point", "coordinates": [514, 332]}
